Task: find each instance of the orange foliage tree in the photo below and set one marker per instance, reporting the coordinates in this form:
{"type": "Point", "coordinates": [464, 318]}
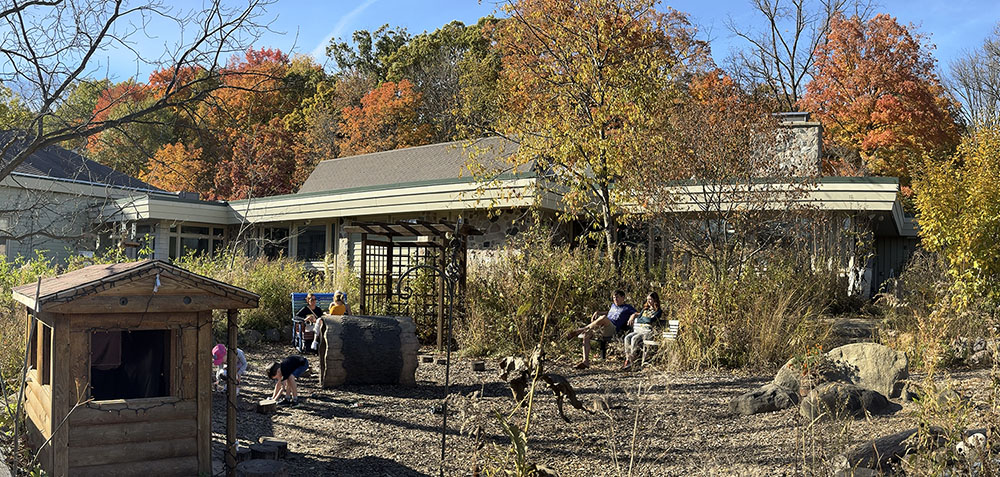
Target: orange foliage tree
{"type": "Point", "coordinates": [262, 164]}
{"type": "Point", "coordinates": [386, 120]}
{"type": "Point", "coordinates": [176, 167]}
{"type": "Point", "coordinates": [876, 93]}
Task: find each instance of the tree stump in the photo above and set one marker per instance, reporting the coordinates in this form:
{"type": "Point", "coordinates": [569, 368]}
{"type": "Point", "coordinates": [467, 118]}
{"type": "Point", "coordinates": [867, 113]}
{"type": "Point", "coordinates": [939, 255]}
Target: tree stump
{"type": "Point", "coordinates": [282, 445]}
{"type": "Point", "coordinates": [479, 366]}
{"type": "Point", "coordinates": [242, 454]}
{"type": "Point", "coordinates": [267, 406]}
{"type": "Point", "coordinates": [264, 451]}
{"type": "Point", "coordinates": [262, 468]}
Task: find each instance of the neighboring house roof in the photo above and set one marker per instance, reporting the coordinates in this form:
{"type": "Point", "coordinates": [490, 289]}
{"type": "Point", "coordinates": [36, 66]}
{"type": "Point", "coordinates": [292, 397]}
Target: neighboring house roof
{"type": "Point", "coordinates": [55, 162]}
{"type": "Point", "coordinates": [420, 164]}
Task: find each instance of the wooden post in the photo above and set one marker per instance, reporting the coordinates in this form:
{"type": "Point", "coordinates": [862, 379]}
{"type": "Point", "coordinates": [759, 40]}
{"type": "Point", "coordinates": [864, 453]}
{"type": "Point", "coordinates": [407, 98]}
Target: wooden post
{"type": "Point", "coordinates": [231, 375]}
{"type": "Point", "coordinates": [62, 399]}
{"type": "Point", "coordinates": [204, 371]}
{"type": "Point", "coordinates": [363, 286]}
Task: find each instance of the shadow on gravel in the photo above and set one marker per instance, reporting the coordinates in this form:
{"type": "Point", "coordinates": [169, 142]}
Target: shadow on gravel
{"type": "Point", "coordinates": [369, 465]}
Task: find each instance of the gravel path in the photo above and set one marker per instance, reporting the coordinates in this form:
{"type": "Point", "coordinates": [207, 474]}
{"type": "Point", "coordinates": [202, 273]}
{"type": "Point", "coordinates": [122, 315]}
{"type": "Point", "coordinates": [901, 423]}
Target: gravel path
{"type": "Point", "coordinates": [681, 423]}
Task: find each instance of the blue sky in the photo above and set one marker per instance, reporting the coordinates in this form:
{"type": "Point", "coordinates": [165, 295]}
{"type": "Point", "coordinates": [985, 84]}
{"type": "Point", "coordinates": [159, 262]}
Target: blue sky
{"type": "Point", "coordinates": [306, 26]}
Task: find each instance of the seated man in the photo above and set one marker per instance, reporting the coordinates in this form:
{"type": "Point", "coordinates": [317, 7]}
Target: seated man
{"type": "Point", "coordinates": [617, 316]}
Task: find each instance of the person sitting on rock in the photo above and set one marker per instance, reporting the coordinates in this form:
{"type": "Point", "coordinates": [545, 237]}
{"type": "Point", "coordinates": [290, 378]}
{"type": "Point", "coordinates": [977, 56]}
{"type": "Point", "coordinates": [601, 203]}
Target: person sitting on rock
{"type": "Point", "coordinates": [616, 317]}
{"type": "Point", "coordinates": [284, 374]}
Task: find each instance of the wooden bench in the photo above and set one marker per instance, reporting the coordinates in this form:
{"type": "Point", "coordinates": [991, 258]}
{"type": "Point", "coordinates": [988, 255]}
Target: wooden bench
{"type": "Point", "coordinates": [649, 347]}
{"type": "Point", "coordinates": [301, 334]}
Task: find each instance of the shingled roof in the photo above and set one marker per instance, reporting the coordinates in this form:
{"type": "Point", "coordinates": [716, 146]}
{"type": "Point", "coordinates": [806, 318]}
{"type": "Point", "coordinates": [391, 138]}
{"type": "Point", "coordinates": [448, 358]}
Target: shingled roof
{"type": "Point", "coordinates": [59, 163]}
{"type": "Point", "coordinates": [115, 278]}
{"type": "Point", "coordinates": [420, 164]}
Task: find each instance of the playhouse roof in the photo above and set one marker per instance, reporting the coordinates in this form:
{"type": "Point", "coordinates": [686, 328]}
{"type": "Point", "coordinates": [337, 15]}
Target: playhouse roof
{"type": "Point", "coordinates": [132, 279]}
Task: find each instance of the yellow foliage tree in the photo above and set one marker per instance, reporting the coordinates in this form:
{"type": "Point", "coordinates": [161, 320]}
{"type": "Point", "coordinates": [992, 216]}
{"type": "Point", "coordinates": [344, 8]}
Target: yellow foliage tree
{"type": "Point", "coordinates": [959, 213]}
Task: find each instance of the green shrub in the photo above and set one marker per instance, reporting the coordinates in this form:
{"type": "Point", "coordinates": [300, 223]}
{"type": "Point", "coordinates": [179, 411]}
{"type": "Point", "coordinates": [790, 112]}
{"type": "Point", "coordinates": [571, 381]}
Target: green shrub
{"type": "Point", "coordinates": [273, 280]}
{"type": "Point", "coordinates": [12, 274]}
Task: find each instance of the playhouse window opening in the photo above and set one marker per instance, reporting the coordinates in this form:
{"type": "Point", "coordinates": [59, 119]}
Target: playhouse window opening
{"type": "Point", "coordinates": [129, 364]}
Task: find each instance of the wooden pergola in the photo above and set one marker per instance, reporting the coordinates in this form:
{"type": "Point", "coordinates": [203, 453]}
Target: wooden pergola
{"type": "Point", "coordinates": [391, 251]}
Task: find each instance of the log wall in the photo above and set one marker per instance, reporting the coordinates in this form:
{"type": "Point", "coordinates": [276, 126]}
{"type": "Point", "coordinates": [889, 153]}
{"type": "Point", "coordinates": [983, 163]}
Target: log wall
{"type": "Point", "coordinates": [153, 436]}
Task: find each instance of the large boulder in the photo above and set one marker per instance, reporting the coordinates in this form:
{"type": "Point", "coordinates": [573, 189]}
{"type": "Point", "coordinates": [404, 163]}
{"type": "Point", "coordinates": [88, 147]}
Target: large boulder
{"type": "Point", "coordinates": [842, 400]}
{"type": "Point", "coordinates": [767, 398]}
{"type": "Point", "coordinates": [873, 366]}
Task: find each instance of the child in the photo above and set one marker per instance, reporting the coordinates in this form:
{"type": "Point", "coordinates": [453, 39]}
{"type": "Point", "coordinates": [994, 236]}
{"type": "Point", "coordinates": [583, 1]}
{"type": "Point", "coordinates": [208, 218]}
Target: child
{"type": "Point", "coordinates": [337, 308]}
{"type": "Point", "coordinates": [284, 375]}
{"type": "Point", "coordinates": [219, 360]}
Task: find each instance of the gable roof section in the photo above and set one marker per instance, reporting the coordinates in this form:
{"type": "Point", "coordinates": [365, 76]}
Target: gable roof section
{"type": "Point", "coordinates": [116, 278]}
{"type": "Point", "coordinates": [420, 164]}
{"type": "Point", "coordinates": [55, 162]}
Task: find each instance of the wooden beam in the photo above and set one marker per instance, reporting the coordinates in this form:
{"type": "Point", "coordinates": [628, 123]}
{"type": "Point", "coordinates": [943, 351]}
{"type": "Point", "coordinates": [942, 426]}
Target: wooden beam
{"type": "Point", "coordinates": [231, 319]}
{"type": "Point", "coordinates": [205, 343]}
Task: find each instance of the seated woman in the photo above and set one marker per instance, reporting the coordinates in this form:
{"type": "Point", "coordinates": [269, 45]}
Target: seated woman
{"type": "Point", "coordinates": [311, 313]}
{"type": "Point", "coordinates": [642, 327]}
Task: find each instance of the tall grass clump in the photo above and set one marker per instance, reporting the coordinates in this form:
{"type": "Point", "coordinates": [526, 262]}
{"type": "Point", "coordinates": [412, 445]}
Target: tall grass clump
{"type": "Point", "coordinates": [758, 318]}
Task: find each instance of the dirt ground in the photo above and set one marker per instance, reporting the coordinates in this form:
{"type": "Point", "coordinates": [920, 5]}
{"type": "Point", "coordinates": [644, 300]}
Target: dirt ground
{"type": "Point", "coordinates": [658, 424]}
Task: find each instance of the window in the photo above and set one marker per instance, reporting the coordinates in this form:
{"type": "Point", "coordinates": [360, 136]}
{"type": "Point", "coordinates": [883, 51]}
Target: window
{"type": "Point", "coordinates": [196, 239]}
{"type": "Point", "coordinates": [3, 241]}
{"type": "Point", "coordinates": [311, 242]}
{"type": "Point", "coordinates": [275, 242]}
{"type": "Point", "coordinates": [129, 364]}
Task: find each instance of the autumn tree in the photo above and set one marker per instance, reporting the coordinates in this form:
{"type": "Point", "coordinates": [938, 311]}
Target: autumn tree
{"type": "Point", "coordinates": [778, 59]}
{"type": "Point", "coordinates": [436, 63]}
{"type": "Point", "coordinates": [877, 96]}
{"type": "Point", "coordinates": [586, 85]}
{"type": "Point", "coordinates": [959, 213]}
{"type": "Point", "coordinates": [176, 167]}
{"type": "Point", "coordinates": [724, 184]}
{"type": "Point", "coordinates": [51, 47]}
{"type": "Point", "coordinates": [262, 163]}
{"type": "Point", "coordinates": [386, 120]}
{"type": "Point", "coordinates": [975, 80]}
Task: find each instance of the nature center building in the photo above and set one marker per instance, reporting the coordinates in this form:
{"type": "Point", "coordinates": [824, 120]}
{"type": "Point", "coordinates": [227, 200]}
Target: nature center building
{"type": "Point", "coordinates": [432, 183]}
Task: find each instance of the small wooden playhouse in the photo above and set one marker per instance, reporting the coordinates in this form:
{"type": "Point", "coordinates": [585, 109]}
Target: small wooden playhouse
{"type": "Point", "coordinates": [120, 378]}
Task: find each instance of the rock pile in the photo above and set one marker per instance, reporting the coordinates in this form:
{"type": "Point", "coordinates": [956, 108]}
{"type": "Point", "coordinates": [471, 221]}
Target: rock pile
{"type": "Point", "coordinates": [859, 378]}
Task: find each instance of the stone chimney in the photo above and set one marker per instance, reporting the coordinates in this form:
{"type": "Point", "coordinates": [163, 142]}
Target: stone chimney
{"type": "Point", "coordinates": [800, 147]}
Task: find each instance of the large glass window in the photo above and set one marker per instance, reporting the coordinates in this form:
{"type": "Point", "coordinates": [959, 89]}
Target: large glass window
{"type": "Point", "coordinates": [311, 242]}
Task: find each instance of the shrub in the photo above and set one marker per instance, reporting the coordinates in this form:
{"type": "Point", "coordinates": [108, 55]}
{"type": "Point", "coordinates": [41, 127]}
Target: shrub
{"type": "Point", "coordinates": [12, 327]}
{"type": "Point", "coordinates": [273, 280]}
{"type": "Point", "coordinates": [923, 315]}
{"type": "Point", "coordinates": [767, 314]}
